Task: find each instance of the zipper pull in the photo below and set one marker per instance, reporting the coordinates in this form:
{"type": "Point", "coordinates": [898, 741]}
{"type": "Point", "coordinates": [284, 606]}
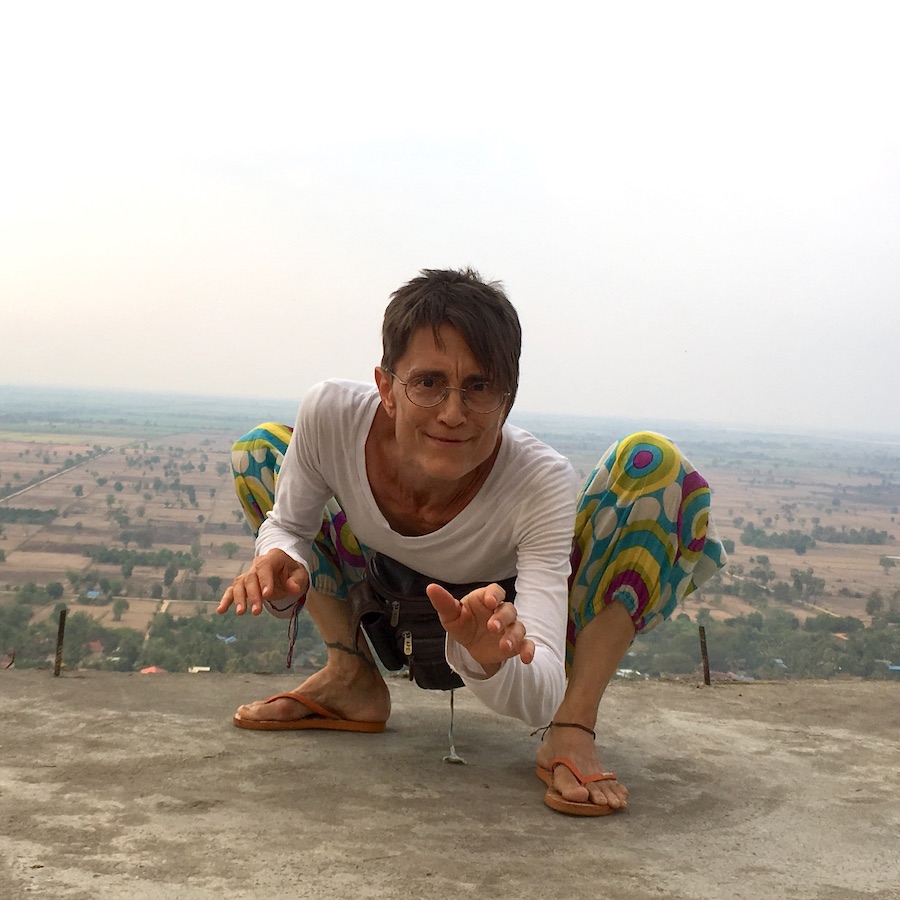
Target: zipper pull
{"type": "Point", "coordinates": [407, 643]}
{"type": "Point", "coordinates": [395, 613]}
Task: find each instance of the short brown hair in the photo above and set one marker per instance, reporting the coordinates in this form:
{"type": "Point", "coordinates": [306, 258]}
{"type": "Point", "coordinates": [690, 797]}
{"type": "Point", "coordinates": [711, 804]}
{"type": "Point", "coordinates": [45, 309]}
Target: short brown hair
{"type": "Point", "coordinates": [478, 309]}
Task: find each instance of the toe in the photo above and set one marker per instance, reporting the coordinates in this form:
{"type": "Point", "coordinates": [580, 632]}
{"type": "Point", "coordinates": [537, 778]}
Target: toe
{"type": "Point", "coordinates": [251, 710]}
{"type": "Point", "coordinates": [568, 785]}
{"type": "Point", "coordinates": [608, 793]}
{"type": "Point", "coordinates": [281, 709]}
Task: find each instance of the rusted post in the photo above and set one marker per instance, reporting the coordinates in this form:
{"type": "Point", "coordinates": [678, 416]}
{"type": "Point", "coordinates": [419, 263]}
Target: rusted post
{"type": "Point", "coordinates": [704, 655]}
{"type": "Point", "coordinates": [59, 641]}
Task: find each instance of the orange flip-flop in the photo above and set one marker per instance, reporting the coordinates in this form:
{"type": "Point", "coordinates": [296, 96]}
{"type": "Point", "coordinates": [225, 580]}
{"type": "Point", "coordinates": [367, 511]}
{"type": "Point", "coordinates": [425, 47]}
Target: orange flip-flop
{"type": "Point", "coordinates": [556, 801]}
{"type": "Point", "coordinates": [321, 718]}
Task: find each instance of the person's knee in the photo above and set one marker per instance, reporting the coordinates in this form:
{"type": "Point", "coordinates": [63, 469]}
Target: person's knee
{"type": "Point", "coordinates": [269, 438]}
{"type": "Point", "coordinates": [640, 443]}
{"type": "Point", "coordinates": [640, 464]}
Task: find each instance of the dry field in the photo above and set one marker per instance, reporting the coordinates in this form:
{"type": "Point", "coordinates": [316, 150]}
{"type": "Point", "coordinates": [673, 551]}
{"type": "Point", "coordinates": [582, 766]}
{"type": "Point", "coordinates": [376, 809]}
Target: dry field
{"type": "Point", "coordinates": [779, 486]}
{"type": "Point", "coordinates": [795, 499]}
{"type": "Point", "coordinates": [128, 480]}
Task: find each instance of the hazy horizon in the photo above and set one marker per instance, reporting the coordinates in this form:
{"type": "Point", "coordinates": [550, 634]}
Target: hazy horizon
{"type": "Point", "coordinates": [695, 209]}
{"type": "Point", "coordinates": [261, 408]}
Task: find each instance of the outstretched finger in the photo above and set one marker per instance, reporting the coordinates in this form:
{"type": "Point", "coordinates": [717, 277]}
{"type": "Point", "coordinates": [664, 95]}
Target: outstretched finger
{"type": "Point", "coordinates": [445, 604]}
{"type": "Point", "coordinates": [510, 641]}
{"type": "Point", "coordinates": [226, 601]}
{"type": "Point", "coordinates": [247, 594]}
{"type": "Point", "coordinates": [264, 578]}
{"type": "Point", "coordinates": [254, 590]}
{"type": "Point", "coordinates": [493, 596]}
{"type": "Point", "coordinates": [239, 594]}
{"type": "Point", "coordinates": [526, 651]}
{"type": "Point", "coordinates": [503, 616]}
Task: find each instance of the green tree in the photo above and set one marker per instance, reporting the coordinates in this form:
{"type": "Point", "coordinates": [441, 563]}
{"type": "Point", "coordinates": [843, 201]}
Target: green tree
{"type": "Point", "coordinates": [875, 604]}
{"type": "Point", "coordinates": [120, 606]}
{"type": "Point", "coordinates": [130, 644]}
{"type": "Point", "coordinates": [229, 548]}
{"type": "Point", "coordinates": [80, 630]}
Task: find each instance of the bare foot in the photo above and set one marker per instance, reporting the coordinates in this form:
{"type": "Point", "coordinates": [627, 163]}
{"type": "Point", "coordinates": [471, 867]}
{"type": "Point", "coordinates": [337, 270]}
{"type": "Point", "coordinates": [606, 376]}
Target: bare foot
{"type": "Point", "coordinates": [362, 696]}
{"type": "Point", "coordinates": [578, 746]}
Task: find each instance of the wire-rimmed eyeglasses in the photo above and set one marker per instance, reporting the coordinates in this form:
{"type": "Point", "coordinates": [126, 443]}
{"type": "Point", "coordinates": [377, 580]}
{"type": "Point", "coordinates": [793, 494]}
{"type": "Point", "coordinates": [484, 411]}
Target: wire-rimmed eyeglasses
{"type": "Point", "coordinates": [427, 391]}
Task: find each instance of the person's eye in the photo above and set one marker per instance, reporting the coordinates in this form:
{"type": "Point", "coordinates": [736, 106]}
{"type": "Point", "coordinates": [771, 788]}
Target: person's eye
{"type": "Point", "coordinates": [479, 387]}
{"type": "Point", "coordinates": [427, 383]}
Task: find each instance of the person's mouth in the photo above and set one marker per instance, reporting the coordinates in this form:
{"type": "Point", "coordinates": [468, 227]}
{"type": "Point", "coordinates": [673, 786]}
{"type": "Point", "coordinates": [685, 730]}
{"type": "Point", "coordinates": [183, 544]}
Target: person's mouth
{"type": "Point", "coordinates": [447, 441]}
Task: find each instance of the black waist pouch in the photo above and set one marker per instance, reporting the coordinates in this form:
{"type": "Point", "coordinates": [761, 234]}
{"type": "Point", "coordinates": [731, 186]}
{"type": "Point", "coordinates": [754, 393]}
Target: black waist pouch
{"type": "Point", "coordinates": [391, 607]}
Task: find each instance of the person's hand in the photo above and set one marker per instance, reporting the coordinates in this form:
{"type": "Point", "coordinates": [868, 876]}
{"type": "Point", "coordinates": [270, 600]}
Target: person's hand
{"type": "Point", "coordinates": [272, 576]}
{"type": "Point", "coordinates": [484, 624]}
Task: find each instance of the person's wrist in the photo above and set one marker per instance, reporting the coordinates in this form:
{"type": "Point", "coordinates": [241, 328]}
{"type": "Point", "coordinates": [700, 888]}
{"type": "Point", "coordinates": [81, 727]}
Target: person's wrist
{"type": "Point", "coordinates": [491, 669]}
{"type": "Point", "coordinates": [490, 666]}
{"type": "Point", "coordinates": [281, 608]}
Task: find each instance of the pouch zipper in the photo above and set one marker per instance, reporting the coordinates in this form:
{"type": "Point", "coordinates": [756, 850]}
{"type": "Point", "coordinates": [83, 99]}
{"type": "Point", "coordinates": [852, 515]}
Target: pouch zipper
{"type": "Point", "coordinates": [407, 650]}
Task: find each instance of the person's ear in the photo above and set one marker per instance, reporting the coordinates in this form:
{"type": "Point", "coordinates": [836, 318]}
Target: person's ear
{"type": "Point", "coordinates": [385, 383]}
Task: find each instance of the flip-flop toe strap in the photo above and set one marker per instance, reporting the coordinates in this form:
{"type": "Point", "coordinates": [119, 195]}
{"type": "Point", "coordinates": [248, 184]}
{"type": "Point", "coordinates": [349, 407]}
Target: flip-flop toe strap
{"type": "Point", "coordinates": [314, 707]}
{"type": "Point", "coordinates": [582, 779]}
{"type": "Point", "coordinates": [602, 776]}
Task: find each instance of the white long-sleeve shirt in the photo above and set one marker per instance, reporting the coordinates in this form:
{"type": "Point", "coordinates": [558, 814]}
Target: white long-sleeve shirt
{"type": "Point", "coordinates": [519, 524]}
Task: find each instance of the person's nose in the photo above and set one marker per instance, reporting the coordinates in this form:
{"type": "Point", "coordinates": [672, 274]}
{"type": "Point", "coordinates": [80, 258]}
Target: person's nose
{"type": "Point", "coordinates": [452, 411]}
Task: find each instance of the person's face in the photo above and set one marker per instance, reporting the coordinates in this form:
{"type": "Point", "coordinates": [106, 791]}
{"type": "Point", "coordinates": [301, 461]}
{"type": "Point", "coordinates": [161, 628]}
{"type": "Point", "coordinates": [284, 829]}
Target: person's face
{"type": "Point", "coordinates": [447, 441]}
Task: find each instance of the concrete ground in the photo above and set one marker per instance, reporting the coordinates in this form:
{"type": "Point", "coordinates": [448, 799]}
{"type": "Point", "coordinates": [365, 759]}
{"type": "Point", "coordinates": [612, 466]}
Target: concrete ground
{"type": "Point", "coordinates": [128, 786]}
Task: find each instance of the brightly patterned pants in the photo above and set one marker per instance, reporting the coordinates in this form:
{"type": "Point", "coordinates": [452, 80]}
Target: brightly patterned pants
{"type": "Point", "coordinates": [643, 533]}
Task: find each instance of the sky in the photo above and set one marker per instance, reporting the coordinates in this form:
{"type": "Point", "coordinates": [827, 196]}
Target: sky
{"type": "Point", "coordinates": [694, 207]}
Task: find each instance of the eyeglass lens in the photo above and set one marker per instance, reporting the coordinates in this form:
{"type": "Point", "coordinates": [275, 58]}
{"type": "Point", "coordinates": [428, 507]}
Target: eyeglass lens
{"type": "Point", "coordinates": [481, 397]}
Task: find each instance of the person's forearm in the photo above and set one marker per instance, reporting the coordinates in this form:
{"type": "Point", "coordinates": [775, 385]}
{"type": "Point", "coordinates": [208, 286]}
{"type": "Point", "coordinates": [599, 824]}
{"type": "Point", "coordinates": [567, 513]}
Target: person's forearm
{"type": "Point", "coordinates": [530, 692]}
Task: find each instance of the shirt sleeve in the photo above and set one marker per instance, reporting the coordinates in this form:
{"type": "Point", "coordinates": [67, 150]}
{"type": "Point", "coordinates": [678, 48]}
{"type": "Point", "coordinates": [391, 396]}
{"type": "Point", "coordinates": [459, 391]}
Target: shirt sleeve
{"type": "Point", "coordinates": [543, 532]}
{"type": "Point", "coordinates": [301, 491]}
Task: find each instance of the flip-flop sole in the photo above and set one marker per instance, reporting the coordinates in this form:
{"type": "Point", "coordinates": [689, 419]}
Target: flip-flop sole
{"type": "Point", "coordinates": [309, 723]}
{"type": "Point", "coordinates": [319, 718]}
{"type": "Point", "coordinates": [558, 803]}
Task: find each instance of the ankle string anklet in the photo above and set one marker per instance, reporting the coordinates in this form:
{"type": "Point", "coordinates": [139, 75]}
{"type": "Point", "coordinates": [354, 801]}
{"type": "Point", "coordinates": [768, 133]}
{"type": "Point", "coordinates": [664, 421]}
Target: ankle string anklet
{"type": "Point", "coordinates": [337, 645]}
{"type": "Point", "coordinates": [543, 731]}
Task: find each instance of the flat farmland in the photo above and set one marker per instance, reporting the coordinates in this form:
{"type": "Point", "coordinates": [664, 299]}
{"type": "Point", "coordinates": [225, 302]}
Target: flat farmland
{"type": "Point", "coordinates": [844, 496]}
{"type": "Point", "coordinates": [173, 494]}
